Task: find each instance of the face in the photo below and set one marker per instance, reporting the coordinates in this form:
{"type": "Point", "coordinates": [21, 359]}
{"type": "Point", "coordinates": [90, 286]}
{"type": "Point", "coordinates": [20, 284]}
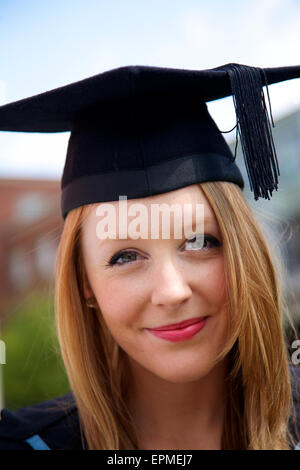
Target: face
{"type": "Point", "coordinates": [158, 282]}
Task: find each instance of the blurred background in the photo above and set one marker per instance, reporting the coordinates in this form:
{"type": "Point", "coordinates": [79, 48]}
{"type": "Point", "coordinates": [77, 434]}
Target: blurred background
{"type": "Point", "coordinates": [48, 44]}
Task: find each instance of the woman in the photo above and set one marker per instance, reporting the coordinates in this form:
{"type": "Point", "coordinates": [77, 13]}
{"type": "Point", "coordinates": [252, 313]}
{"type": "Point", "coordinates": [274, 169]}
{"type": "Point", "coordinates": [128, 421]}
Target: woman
{"type": "Point", "coordinates": [224, 381]}
{"type": "Point", "coordinates": [177, 390]}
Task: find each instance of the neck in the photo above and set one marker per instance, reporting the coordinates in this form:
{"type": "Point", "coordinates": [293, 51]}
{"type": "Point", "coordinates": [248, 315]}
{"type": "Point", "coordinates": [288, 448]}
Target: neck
{"type": "Point", "coordinates": [168, 415]}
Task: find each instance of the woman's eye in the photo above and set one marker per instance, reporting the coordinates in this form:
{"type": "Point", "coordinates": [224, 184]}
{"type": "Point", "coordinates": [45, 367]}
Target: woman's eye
{"type": "Point", "coordinates": [202, 242]}
{"type": "Point", "coordinates": [121, 255]}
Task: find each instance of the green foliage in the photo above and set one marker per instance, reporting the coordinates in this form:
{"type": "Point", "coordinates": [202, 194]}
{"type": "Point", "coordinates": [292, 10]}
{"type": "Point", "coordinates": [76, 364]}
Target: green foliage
{"type": "Point", "coordinates": [34, 370]}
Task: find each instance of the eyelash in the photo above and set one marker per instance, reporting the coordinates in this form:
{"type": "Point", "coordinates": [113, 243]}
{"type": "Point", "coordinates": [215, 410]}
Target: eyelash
{"type": "Point", "coordinates": [119, 254]}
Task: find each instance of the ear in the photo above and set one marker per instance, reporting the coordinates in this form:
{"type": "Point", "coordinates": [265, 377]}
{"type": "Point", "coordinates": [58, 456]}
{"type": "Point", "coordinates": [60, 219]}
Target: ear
{"type": "Point", "coordinates": [87, 290]}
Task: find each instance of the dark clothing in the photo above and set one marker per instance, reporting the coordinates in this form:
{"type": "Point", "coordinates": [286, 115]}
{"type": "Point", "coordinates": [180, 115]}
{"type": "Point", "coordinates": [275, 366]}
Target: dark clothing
{"type": "Point", "coordinates": [54, 424]}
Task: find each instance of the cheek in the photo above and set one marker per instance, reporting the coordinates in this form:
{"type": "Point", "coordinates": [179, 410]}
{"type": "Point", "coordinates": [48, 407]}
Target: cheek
{"type": "Point", "coordinates": [211, 282]}
{"type": "Point", "coordinates": [118, 301]}
{"type": "Point", "coordinates": [216, 296]}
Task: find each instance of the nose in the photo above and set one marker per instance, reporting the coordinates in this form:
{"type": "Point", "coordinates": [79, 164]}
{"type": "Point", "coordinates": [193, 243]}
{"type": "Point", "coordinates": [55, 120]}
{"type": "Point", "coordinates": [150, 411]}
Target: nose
{"type": "Point", "coordinates": [170, 287]}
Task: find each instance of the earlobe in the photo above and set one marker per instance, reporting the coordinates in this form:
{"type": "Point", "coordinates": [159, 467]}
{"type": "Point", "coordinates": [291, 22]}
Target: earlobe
{"type": "Point", "coordinates": [87, 291]}
{"type": "Point", "coordinates": [90, 300]}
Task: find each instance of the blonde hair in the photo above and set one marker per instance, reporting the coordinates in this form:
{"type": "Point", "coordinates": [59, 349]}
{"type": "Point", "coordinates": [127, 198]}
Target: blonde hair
{"type": "Point", "coordinates": [259, 401]}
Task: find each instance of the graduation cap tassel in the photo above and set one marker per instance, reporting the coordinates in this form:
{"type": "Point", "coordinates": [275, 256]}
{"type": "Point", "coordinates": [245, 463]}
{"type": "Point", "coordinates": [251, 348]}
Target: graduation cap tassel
{"type": "Point", "coordinates": [254, 128]}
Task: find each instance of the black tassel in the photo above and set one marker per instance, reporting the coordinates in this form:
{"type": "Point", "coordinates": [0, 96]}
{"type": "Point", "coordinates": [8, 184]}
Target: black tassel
{"type": "Point", "coordinates": [254, 128]}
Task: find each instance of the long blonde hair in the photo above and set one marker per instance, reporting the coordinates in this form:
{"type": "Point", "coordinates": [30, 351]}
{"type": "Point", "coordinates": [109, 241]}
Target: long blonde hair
{"type": "Point", "coordinates": [259, 401]}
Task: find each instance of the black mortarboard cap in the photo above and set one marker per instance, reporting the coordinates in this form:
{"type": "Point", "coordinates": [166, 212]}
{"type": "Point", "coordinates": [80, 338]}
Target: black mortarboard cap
{"type": "Point", "coordinates": [142, 130]}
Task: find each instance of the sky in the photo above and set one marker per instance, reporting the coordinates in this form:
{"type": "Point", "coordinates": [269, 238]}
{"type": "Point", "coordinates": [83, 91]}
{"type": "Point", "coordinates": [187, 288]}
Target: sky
{"type": "Point", "coordinates": [47, 44]}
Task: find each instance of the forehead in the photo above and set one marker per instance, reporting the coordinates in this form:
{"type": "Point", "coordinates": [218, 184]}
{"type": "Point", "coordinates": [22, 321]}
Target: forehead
{"type": "Point", "coordinates": [190, 195]}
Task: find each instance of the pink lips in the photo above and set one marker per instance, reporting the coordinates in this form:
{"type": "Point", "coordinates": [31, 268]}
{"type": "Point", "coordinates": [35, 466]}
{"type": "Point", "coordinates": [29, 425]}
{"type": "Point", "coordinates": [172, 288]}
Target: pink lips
{"type": "Point", "coordinates": [180, 331]}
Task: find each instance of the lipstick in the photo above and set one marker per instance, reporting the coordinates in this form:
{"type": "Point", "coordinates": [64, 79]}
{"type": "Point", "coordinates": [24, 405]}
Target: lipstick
{"type": "Point", "coordinates": [179, 334]}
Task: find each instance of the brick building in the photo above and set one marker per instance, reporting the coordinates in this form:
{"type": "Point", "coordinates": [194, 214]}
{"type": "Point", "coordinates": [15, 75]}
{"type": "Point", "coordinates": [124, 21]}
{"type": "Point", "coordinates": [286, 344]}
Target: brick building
{"type": "Point", "coordinates": [30, 227]}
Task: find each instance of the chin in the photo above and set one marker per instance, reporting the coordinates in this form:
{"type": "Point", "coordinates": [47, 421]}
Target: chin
{"type": "Point", "coordinates": [186, 375]}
